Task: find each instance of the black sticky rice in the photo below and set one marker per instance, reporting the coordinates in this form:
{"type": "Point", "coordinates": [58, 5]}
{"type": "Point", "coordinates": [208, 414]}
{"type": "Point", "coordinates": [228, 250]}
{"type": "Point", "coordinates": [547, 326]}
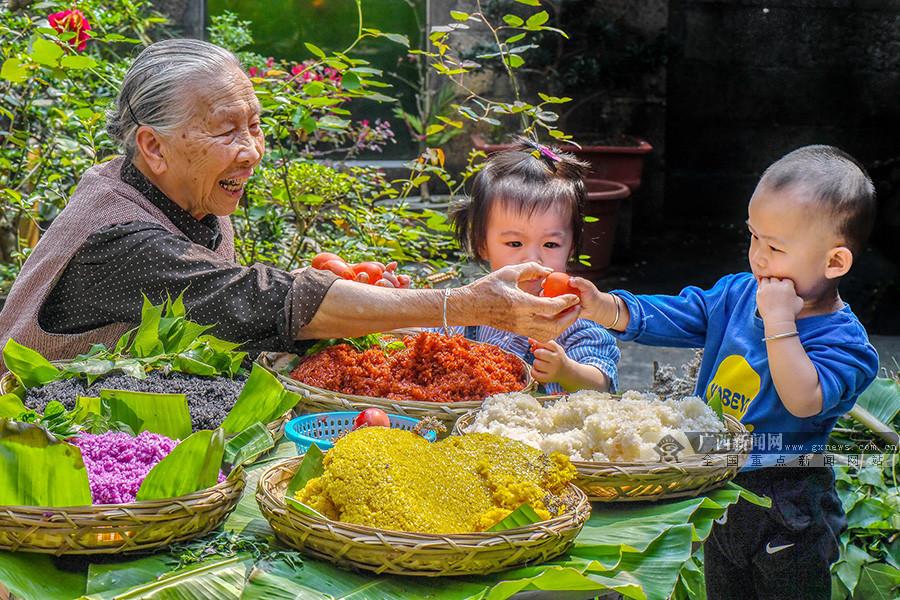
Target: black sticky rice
{"type": "Point", "coordinates": [209, 398]}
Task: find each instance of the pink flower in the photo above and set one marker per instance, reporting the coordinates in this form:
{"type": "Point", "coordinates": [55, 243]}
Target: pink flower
{"type": "Point", "coordinates": [253, 71]}
{"type": "Point", "coordinates": [72, 20]}
{"type": "Point", "coordinates": [296, 69]}
{"type": "Point", "coordinates": [270, 62]}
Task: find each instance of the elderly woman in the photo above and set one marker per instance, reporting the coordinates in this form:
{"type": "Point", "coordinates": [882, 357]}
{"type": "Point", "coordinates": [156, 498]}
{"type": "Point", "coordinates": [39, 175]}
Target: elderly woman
{"type": "Point", "coordinates": [156, 222]}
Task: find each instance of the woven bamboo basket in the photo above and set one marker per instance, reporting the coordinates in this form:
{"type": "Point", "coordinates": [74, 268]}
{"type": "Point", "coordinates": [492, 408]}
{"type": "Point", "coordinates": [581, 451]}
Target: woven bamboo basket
{"type": "Point", "coordinates": [316, 399]}
{"type": "Point", "coordinates": [643, 481]}
{"type": "Point", "coordinates": [118, 528]}
{"type": "Point", "coordinates": [418, 554]}
{"type": "Point", "coordinates": [276, 428]}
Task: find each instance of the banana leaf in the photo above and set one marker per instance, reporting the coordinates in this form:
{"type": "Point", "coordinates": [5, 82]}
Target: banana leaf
{"type": "Point", "coordinates": [35, 576]}
{"type": "Point", "coordinates": [521, 517]}
{"type": "Point", "coordinates": [247, 445]}
{"type": "Point", "coordinates": [193, 465]}
{"type": "Point", "coordinates": [11, 406]}
{"type": "Point", "coordinates": [36, 469]}
{"type": "Point", "coordinates": [263, 399]}
{"type": "Point", "coordinates": [215, 579]}
{"type": "Point", "coordinates": [86, 406]}
{"type": "Point", "coordinates": [165, 414]}
{"type": "Point", "coordinates": [123, 574]}
{"type": "Point", "coordinates": [32, 369]}
{"type": "Point", "coordinates": [310, 468]}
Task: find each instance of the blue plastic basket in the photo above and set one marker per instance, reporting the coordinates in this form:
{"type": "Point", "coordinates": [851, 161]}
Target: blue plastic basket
{"type": "Point", "coordinates": [324, 428]}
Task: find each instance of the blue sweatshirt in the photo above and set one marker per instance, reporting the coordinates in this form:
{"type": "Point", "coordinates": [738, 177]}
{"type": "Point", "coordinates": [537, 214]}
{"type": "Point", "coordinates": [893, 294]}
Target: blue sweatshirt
{"type": "Point", "coordinates": [724, 322]}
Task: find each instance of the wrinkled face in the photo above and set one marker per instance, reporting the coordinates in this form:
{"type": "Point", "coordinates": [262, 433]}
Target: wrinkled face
{"type": "Point", "coordinates": [210, 158]}
{"type": "Point", "coordinates": [790, 240]}
{"type": "Point", "coordinates": [515, 237]}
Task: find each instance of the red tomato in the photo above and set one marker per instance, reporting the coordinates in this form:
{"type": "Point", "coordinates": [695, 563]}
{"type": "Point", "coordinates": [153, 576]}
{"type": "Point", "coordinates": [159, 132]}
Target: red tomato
{"type": "Point", "coordinates": [557, 284]}
{"type": "Point", "coordinates": [372, 269]}
{"type": "Point", "coordinates": [339, 268]}
{"type": "Point", "coordinates": [371, 417]}
{"type": "Point", "coordinates": [319, 261]}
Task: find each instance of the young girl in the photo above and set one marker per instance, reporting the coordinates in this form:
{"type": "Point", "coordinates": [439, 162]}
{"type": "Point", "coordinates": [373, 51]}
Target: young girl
{"type": "Point", "coordinates": [527, 204]}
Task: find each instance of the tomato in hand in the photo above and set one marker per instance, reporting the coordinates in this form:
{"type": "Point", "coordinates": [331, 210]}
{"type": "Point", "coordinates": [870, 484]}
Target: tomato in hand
{"type": "Point", "coordinates": [319, 261]}
{"type": "Point", "coordinates": [372, 269]}
{"type": "Point", "coordinates": [371, 417]}
{"type": "Point", "coordinates": [557, 284]}
{"type": "Point", "coordinates": [339, 268]}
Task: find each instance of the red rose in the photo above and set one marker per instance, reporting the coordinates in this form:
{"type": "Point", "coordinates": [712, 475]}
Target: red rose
{"type": "Point", "coordinates": [72, 20]}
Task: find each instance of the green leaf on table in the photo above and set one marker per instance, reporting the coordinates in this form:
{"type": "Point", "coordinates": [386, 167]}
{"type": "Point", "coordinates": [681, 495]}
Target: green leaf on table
{"type": "Point", "coordinates": [165, 414]}
{"type": "Point", "coordinates": [32, 369]}
{"type": "Point", "coordinates": [46, 52]}
{"type": "Point", "coordinates": [105, 577]}
{"type": "Point", "coordinates": [248, 444]}
{"type": "Point", "coordinates": [213, 579]}
{"type": "Point", "coordinates": [521, 517]}
{"type": "Point", "coordinates": [193, 465]}
{"type": "Point", "coordinates": [11, 406]}
{"type": "Point", "coordinates": [28, 575]}
{"type": "Point", "coordinates": [264, 399]}
{"type": "Point", "coordinates": [36, 469]}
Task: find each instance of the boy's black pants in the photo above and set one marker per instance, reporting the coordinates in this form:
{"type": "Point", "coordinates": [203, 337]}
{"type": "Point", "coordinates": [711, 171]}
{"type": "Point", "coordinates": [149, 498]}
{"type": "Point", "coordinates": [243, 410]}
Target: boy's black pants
{"type": "Point", "coordinates": [782, 552]}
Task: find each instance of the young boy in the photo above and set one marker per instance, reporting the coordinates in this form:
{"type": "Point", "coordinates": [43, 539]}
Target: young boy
{"type": "Point", "coordinates": [784, 355]}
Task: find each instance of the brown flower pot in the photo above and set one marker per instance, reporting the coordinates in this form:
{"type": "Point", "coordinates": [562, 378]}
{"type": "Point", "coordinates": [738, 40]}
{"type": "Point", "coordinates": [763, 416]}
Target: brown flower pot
{"type": "Point", "coordinates": [624, 164]}
{"type": "Point", "coordinates": [597, 238]}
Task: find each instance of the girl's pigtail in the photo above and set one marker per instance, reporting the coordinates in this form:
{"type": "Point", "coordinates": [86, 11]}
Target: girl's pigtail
{"type": "Point", "coordinates": [563, 164]}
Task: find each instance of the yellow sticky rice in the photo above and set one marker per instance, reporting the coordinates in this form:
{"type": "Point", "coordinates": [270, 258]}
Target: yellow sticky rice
{"type": "Point", "coordinates": [394, 479]}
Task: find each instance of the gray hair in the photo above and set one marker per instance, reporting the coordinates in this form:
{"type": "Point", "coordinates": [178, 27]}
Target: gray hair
{"type": "Point", "coordinates": [153, 91]}
{"type": "Point", "coordinates": [836, 181]}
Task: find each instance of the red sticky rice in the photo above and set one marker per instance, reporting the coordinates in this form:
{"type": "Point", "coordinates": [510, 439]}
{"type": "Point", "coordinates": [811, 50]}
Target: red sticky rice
{"type": "Point", "coordinates": [432, 368]}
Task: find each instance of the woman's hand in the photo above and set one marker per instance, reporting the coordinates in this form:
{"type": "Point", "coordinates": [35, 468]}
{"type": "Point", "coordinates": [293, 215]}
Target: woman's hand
{"type": "Point", "coordinates": [391, 279]}
{"type": "Point", "coordinates": [497, 300]}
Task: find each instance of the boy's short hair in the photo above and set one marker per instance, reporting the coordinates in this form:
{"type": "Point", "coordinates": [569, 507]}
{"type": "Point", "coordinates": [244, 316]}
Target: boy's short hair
{"type": "Point", "coordinates": [836, 181]}
{"type": "Point", "coordinates": [523, 179]}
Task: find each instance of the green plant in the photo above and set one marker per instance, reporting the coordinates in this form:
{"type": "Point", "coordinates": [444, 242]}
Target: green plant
{"type": "Point", "coordinates": [296, 207]}
{"type": "Point", "coordinates": [511, 42]}
{"type": "Point", "coordinates": [51, 119]}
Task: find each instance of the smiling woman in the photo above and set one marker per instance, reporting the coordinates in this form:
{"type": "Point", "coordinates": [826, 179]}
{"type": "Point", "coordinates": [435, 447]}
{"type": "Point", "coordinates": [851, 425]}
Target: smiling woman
{"type": "Point", "coordinates": [156, 222]}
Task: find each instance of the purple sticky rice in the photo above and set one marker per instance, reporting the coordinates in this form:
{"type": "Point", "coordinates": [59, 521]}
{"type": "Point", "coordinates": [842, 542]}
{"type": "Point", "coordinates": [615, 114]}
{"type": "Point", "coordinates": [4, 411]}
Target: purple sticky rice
{"type": "Point", "coordinates": [118, 463]}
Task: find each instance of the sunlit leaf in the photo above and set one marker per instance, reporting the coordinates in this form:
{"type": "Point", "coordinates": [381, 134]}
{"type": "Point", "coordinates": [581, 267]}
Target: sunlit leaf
{"type": "Point", "coordinates": [193, 465]}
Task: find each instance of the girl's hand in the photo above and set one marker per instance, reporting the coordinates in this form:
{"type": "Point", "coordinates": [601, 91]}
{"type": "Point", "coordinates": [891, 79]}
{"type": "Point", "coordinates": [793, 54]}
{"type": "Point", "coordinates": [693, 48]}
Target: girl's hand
{"type": "Point", "coordinates": [550, 361]}
{"type": "Point", "coordinates": [777, 300]}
